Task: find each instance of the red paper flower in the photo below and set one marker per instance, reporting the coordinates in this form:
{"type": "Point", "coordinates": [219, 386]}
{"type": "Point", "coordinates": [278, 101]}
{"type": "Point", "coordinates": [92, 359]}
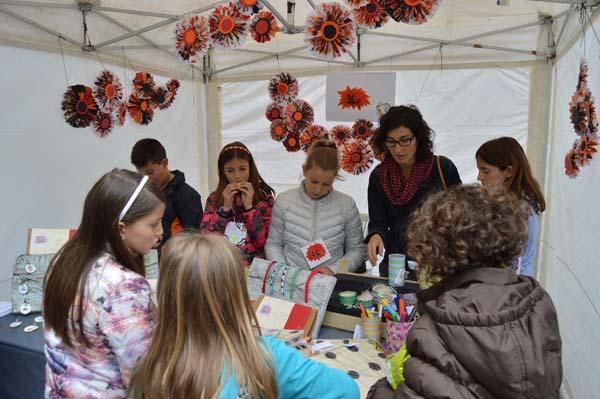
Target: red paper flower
{"type": "Point", "coordinates": [571, 167]}
{"type": "Point", "coordinates": [283, 88]}
{"type": "Point", "coordinates": [248, 7]}
{"type": "Point", "coordinates": [585, 149]}
{"type": "Point", "coordinates": [362, 129]}
{"type": "Point", "coordinates": [278, 131]}
{"type": "Point", "coordinates": [353, 98]}
{"type": "Point", "coordinates": [292, 142]}
{"type": "Point", "coordinates": [582, 107]}
{"type": "Point", "coordinates": [341, 135]}
{"type": "Point", "coordinates": [372, 15]}
{"type": "Point", "coordinates": [79, 106]}
{"type": "Point", "coordinates": [315, 252]}
{"type": "Point", "coordinates": [312, 134]}
{"type": "Point", "coordinates": [357, 157]}
{"type": "Point", "coordinates": [108, 91]}
{"type": "Point", "coordinates": [141, 110]}
{"type": "Point", "coordinates": [103, 124]}
{"type": "Point", "coordinates": [191, 38]}
{"type": "Point", "coordinates": [164, 97]}
{"type": "Point", "coordinates": [356, 3]}
{"type": "Point", "coordinates": [143, 85]}
{"type": "Point", "coordinates": [378, 154]}
{"type": "Point", "coordinates": [228, 27]}
{"type": "Point", "coordinates": [263, 27]}
{"type": "Point", "coordinates": [413, 12]}
{"type": "Point", "coordinates": [120, 114]}
{"type": "Point", "coordinates": [274, 111]}
{"type": "Point", "coordinates": [298, 115]}
{"type": "Point", "coordinates": [329, 30]}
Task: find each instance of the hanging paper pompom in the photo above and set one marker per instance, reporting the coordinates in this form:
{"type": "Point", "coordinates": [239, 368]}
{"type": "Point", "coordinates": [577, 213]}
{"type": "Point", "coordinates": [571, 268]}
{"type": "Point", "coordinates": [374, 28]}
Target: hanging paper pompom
{"type": "Point", "coordinates": [571, 164]}
{"type": "Point", "coordinates": [329, 30]}
{"type": "Point", "coordinates": [278, 131]}
{"type": "Point", "coordinates": [413, 12]}
{"type": "Point", "coordinates": [298, 115]}
{"type": "Point", "coordinates": [143, 85]}
{"type": "Point", "coordinates": [372, 15]}
{"type": "Point", "coordinates": [274, 111]}
{"type": "Point", "coordinates": [228, 27]}
{"type": "Point", "coordinates": [141, 110]}
{"type": "Point", "coordinates": [357, 157]}
{"type": "Point", "coordinates": [585, 149]}
{"type": "Point", "coordinates": [582, 107]}
{"type": "Point", "coordinates": [312, 134]}
{"type": "Point", "coordinates": [108, 91]}
{"type": "Point", "coordinates": [283, 88]}
{"type": "Point", "coordinates": [248, 7]}
{"type": "Point", "coordinates": [263, 27]}
{"type": "Point", "coordinates": [79, 106]}
{"type": "Point", "coordinates": [341, 135]}
{"type": "Point", "coordinates": [191, 38]}
{"type": "Point", "coordinates": [172, 87]}
{"type": "Point", "coordinates": [103, 123]}
{"type": "Point", "coordinates": [120, 114]}
{"type": "Point", "coordinates": [292, 142]}
{"type": "Point", "coordinates": [362, 129]}
{"type": "Point", "coordinates": [378, 154]}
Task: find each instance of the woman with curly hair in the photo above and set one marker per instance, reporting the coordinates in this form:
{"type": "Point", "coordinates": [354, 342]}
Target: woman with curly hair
{"type": "Point", "coordinates": [484, 331]}
{"type": "Point", "coordinates": [408, 174]}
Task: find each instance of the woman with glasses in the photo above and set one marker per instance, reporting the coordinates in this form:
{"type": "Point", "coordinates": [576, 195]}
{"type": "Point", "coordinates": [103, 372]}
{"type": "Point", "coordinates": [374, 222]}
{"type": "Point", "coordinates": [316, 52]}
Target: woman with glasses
{"type": "Point", "coordinates": [408, 174]}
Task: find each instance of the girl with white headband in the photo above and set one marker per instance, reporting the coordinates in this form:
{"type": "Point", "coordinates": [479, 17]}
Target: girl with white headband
{"type": "Point", "coordinates": [98, 310]}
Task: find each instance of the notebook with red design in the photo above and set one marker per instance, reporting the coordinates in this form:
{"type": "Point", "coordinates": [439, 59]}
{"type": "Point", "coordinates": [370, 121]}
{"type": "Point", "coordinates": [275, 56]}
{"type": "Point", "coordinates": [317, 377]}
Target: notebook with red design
{"type": "Point", "coordinates": [275, 313]}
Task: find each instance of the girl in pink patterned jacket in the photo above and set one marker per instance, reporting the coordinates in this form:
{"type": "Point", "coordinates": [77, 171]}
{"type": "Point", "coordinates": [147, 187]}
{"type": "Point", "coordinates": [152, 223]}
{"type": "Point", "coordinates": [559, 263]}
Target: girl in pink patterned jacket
{"type": "Point", "coordinates": [240, 207]}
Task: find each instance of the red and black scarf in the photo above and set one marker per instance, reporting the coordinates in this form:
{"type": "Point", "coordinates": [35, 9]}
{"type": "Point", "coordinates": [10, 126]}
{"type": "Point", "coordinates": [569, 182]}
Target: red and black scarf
{"type": "Point", "coordinates": [395, 186]}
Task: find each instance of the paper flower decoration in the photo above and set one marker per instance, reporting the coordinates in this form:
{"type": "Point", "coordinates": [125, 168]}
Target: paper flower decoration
{"type": "Point", "coordinates": [571, 164]}
{"type": "Point", "coordinates": [248, 7]}
{"type": "Point", "coordinates": [263, 27]}
{"type": "Point", "coordinates": [582, 107]}
{"type": "Point", "coordinates": [283, 88]}
{"type": "Point", "coordinates": [79, 106]}
{"type": "Point", "coordinates": [378, 154]}
{"type": "Point", "coordinates": [143, 85]}
{"type": "Point", "coordinates": [315, 252]}
{"type": "Point", "coordinates": [120, 114]}
{"type": "Point", "coordinates": [103, 123]}
{"type": "Point", "coordinates": [163, 97]}
{"type": "Point", "coordinates": [191, 38]}
{"type": "Point", "coordinates": [141, 110]}
{"type": "Point", "coordinates": [108, 91]}
{"type": "Point", "coordinates": [382, 108]}
{"type": "Point", "coordinates": [274, 111]}
{"type": "Point", "coordinates": [228, 27]}
{"type": "Point", "coordinates": [298, 115]}
{"type": "Point", "coordinates": [292, 142]}
{"type": "Point", "coordinates": [362, 129]}
{"type": "Point", "coordinates": [413, 12]}
{"type": "Point", "coordinates": [341, 135]}
{"type": "Point", "coordinates": [357, 157]}
{"type": "Point", "coordinates": [356, 3]}
{"type": "Point", "coordinates": [329, 30]}
{"type": "Point", "coordinates": [372, 15]}
{"type": "Point", "coordinates": [312, 134]}
{"type": "Point", "coordinates": [278, 131]}
{"type": "Point", "coordinates": [353, 98]}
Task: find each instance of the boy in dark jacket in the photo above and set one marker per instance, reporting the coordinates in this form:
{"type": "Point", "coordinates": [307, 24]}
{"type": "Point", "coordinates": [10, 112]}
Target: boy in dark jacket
{"type": "Point", "coordinates": [184, 206]}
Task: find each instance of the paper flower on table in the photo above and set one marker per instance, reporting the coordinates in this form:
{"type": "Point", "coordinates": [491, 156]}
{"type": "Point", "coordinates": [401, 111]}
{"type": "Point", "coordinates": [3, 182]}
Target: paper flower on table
{"type": "Point", "coordinates": [341, 135]}
{"type": "Point", "coordinates": [372, 15]}
{"type": "Point", "coordinates": [582, 107]}
{"type": "Point", "coordinates": [248, 7]}
{"type": "Point", "coordinates": [413, 12]}
{"type": "Point", "coordinates": [143, 85]}
{"type": "Point", "coordinates": [103, 123]}
{"type": "Point", "coordinates": [120, 113]}
{"type": "Point", "coordinates": [274, 111]}
{"type": "Point", "coordinates": [228, 27]}
{"type": "Point", "coordinates": [311, 134]}
{"type": "Point", "coordinates": [141, 110]}
{"type": "Point", "coordinates": [298, 115]}
{"type": "Point", "coordinates": [329, 30]}
{"type": "Point", "coordinates": [357, 157]}
{"type": "Point", "coordinates": [362, 129]}
{"type": "Point", "coordinates": [315, 252]}
{"type": "Point", "coordinates": [79, 106]}
{"type": "Point", "coordinates": [292, 142]}
{"type": "Point", "coordinates": [353, 98]}
{"type": "Point", "coordinates": [278, 130]}
{"type": "Point", "coordinates": [283, 88]}
{"type": "Point", "coordinates": [191, 38]}
{"type": "Point", "coordinates": [108, 91]}
{"type": "Point", "coordinates": [263, 27]}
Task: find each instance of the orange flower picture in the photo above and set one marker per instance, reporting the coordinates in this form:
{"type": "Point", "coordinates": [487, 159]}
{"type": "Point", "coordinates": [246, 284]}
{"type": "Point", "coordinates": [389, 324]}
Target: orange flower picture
{"type": "Point", "coordinates": [353, 98]}
{"type": "Point", "coordinates": [315, 252]}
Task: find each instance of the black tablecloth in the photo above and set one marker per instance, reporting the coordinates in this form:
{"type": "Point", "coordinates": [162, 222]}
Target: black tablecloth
{"type": "Point", "coordinates": [22, 360]}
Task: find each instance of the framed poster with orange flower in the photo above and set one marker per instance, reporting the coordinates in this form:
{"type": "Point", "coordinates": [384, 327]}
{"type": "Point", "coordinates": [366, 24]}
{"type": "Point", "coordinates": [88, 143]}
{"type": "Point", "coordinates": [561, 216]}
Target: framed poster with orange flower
{"type": "Point", "coordinates": [354, 95]}
{"type": "Point", "coordinates": [316, 253]}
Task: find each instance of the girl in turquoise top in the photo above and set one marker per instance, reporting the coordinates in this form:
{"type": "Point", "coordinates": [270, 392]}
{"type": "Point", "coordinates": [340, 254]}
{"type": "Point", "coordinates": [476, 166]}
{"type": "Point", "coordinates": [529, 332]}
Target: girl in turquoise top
{"type": "Point", "coordinates": [205, 345]}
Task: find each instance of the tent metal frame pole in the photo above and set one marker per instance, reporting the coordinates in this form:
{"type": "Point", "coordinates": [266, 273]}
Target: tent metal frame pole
{"type": "Point", "coordinates": [564, 25]}
{"type": "Point", "coordinates": [269, 56]}
{"type": "Point", "coordinates": [302, 57]}
{"type": "Point", "coordinates": [289, 28]}
{"type": "Point", "coordinates": [38, 4]}
{"type": "Point", "coordinates": [135, 12]}
{"type": "Point", "coordinates": [40, 26]}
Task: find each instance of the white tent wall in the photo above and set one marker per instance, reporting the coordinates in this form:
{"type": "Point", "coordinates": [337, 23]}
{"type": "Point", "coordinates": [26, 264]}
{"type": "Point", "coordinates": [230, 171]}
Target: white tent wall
{"type": "Point", "coordinates": [47, 166]}
{"type": "Point", "coordinates": [569, 247]}
{"type": "Point", "coordinates": [465, 107]}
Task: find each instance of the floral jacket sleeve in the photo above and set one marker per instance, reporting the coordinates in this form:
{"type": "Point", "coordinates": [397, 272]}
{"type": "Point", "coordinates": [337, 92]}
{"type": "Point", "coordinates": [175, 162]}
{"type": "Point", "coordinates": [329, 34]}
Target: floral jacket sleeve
{"type": "Point", "coordinates": [212, 222]}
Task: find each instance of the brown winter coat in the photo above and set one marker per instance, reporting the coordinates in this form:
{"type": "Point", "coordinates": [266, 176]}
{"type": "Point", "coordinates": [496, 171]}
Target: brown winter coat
{"type": "Point", "coordinates": [487, 333]}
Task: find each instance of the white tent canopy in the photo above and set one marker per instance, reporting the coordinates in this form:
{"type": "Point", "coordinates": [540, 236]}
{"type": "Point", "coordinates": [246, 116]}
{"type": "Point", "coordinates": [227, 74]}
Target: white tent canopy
{"type": "Point", "coordinates": [477, 70]}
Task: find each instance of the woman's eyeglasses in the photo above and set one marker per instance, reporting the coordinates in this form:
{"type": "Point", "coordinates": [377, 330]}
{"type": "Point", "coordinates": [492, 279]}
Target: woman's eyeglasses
{"type": "Point", "coordinates": [402, 142]}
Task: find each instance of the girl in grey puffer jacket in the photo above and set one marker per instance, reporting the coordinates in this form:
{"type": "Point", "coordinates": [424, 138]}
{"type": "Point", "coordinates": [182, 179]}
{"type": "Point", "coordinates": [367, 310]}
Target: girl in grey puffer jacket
{"type": "Point", "coordinates": [315, 211]}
